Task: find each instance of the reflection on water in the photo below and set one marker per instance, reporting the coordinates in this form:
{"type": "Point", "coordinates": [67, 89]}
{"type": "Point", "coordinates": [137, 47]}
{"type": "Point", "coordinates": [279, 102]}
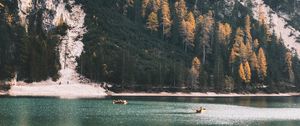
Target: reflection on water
{"type": "Point", "coordinates": [266, 111]}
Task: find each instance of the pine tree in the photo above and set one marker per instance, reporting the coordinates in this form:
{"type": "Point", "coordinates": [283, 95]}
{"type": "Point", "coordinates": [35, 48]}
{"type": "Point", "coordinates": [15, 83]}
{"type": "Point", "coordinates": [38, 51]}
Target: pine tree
{"type": "Point", "coordinates": [152, 22]}
{"type": "Point", "coordinates": [233, 56]}
{"type": "Point", "coordinates": [262, 62]}
{"type": "Point", "coordinates": [198, 35]}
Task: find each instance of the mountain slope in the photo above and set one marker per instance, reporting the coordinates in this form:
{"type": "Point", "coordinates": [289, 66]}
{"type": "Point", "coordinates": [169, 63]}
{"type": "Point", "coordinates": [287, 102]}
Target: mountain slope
{"type": "Point", "coordinates": [278, 24]}
{"type": "Point", "coordinates": [120, 51]}
{"type": "Point", "coordinates": [199, 45]}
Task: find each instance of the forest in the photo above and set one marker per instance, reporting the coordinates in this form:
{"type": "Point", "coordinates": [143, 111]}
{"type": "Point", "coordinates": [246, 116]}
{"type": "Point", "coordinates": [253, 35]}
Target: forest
{"type": "Point", "coordinates": [157, 45]}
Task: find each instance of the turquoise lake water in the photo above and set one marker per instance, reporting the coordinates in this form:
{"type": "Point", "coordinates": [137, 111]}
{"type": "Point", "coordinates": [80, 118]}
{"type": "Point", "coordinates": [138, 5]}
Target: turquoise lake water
{"type": "Point", "coordinates": [150, 111]}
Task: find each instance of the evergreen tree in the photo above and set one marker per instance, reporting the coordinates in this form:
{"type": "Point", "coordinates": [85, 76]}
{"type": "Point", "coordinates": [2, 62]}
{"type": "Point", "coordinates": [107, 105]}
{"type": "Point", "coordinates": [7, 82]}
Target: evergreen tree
{"type": "Point", "coordinates": [198, 35]}
{"type": "Point", "coordinates": [254, 67]}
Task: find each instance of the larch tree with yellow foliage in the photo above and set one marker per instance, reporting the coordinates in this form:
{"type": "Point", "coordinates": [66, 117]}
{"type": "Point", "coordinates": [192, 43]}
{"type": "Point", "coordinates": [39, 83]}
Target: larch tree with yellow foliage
{"type": "Point", "coordinates": [190, 25]}
{"type": "Point", "coordinates": [239, 48]}
{"type": "Point", "coordinates": [253, 62]}
{"type": "Point", "coordinates": [248, 29]}
{"type": "Point", "coordinates": [195, 71]}
{"type": "Point", "coordinates": [256, 44]}
{"type": "Point", "coordinates": [249, 50]}
{"type": "Point", "coordinates": [166, 19]}
{"type": "Point", "coordinates": [248, 36]}
{"type": "Point", "coordinates": [242, 72]}
{"type": "Point", "coordinates": [152, 22]}
{"type": "Point", "coordinates": [289, 64]}
{"type": "Point", "coordinates": [262, 62]}
{"type": "Point", "coordinates": [261, 15]}
{"type": "Point", "coordinates": [181, 9]}
{"type": "Point", "coordinates": [145, 4]}
{"type": "Point", "coordinates": [224, 32]}
{"type": "Point", "coordinates": [245, 72]}
{"type": "Point", "coordinates": [206, 34]}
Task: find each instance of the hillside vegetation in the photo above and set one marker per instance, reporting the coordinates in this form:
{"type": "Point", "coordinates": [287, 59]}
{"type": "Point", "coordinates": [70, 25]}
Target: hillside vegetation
{"type": "Point", "coordinates": [191, 45]}
{"type": "Point", "coordinates": [217, 46]}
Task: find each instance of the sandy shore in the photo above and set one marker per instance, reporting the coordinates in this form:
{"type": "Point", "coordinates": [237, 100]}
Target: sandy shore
{"type": "Point", "coordinates": [198, 94]}
{"type": "Point", "coordinates": [50, 89]}
{"type": "Point", "coordinates": [76, 90]}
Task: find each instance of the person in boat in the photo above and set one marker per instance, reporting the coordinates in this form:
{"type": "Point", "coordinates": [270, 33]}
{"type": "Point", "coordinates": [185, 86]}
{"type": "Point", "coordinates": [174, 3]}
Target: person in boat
{"type": "Point", "coordinates": [200, 110]}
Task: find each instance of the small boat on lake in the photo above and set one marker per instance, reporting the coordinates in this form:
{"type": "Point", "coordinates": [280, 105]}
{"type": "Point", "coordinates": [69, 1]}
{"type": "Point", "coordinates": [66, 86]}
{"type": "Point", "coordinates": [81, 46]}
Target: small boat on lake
{"type": "Point", "coordinates": [200, 110]}
{"type": "Point", "coordinates": [119, 101]}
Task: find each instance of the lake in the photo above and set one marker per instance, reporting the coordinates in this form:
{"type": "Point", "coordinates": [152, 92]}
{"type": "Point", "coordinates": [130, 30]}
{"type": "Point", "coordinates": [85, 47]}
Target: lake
{"type": "Point", "coordinates": [150, 111]}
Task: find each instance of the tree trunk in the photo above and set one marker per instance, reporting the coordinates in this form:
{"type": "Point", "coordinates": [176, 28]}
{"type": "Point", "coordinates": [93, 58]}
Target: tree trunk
{"type": "Point", "coordinates": [204, 54]}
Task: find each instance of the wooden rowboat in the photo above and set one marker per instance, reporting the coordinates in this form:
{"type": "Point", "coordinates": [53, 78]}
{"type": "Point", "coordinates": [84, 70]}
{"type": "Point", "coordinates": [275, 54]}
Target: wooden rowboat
{"type": "Point", "coordinates": [124, 102]}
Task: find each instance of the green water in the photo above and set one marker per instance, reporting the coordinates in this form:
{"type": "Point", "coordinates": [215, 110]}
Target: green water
{"type": "Point", "coordinates": [150, 111]}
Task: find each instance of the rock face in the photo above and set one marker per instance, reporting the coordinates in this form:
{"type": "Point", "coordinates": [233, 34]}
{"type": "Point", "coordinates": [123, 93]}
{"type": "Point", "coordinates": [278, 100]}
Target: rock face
{"type": "Point", "coordinates": [276, 23]}
{"type": "Point", "coordinates": [71, 45]}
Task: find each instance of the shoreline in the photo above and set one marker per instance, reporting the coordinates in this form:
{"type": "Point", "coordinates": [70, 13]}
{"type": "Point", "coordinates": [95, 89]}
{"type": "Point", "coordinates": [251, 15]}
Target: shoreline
{"type": "Point", "coordinates": [199, 94]}
{"type": "Point", "coordinates": [92, 90]}
{"type": "Point", "coordinates": [139, 94]}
